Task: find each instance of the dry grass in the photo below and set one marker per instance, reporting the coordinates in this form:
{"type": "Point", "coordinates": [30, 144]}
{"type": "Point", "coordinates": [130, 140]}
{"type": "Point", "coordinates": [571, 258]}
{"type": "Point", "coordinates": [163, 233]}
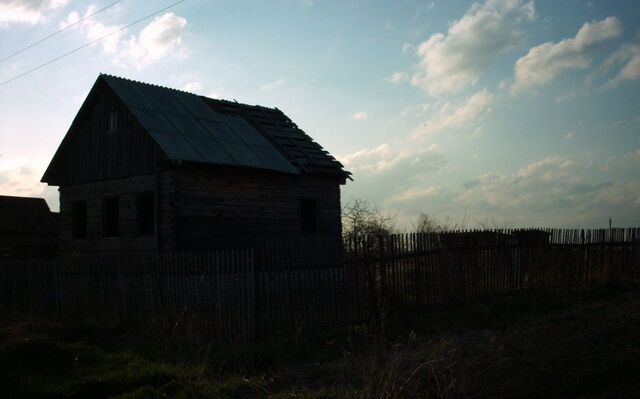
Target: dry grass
{"type": "Point", "coordinates": [567, 344]}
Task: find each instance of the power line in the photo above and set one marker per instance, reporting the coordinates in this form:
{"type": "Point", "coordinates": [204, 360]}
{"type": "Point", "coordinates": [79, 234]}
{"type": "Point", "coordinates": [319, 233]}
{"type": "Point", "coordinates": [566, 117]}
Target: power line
{"type": "Point", "coordinates": [59, 31]}
{"type": "Point", "coordinates": [91, 42]}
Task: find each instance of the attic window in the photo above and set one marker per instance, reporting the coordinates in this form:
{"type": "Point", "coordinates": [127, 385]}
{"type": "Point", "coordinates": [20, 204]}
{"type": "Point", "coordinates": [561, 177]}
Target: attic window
{"type": "Point", "coordinates": [79, 219]}
{"type": "Point", "coordinates": [144, 214]}
{"type": "Point", "coordinates": [110, 217]}
{"type": "Point", "coordinates": [308, 216]}
{"type": "Point", "coordinates": [111, 122]}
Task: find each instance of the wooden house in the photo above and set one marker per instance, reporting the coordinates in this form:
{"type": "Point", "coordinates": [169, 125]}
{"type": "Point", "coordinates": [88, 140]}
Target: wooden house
{"type": "Point", "coordinates": [27, 228]}
{"type": "Point", "coordinates": [145, 168]}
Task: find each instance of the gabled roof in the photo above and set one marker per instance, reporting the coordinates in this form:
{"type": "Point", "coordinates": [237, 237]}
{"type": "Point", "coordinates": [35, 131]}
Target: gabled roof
{"type": "Point", "coordinates": [26, 215]}
{"type": "Point", "coordinates": [193, 128]}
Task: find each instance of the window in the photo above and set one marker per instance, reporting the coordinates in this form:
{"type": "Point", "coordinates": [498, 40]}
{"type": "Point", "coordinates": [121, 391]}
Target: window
{"type": "Point", "coordinates": [145, 214]}
{"type": "Point", "coordinates": [110, 217]}
{"type": "Point", "coordinates": [79, 219]}
{"type": "Point", "coordinates": [309, 216]}
{"type": "Point", "coordinates": [111, 122]}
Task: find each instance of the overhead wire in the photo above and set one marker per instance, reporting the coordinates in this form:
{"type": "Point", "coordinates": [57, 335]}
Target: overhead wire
{"type": "Point", "coordinates": [91, 42]}
{"type": "Point", "coordinates": [22, 50]}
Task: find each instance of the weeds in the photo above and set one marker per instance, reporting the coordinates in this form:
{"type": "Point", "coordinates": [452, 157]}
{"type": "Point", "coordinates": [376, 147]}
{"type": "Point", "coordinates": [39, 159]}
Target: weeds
{"type": "Point", "coordinates": [571, 343]}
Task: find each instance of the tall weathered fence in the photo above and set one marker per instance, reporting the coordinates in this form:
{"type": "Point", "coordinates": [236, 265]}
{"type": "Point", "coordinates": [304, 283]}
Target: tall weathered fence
{"type": "Point", "coordinates": [224, 292]}
{"type": "Point", "coordinates": [429, 269]}
{"type": "Point", "coordinates": [284, 286]}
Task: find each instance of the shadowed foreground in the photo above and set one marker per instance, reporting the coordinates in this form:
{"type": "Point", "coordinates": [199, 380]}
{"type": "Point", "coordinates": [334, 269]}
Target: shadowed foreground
{"type": "Point", "coordinates": [565, 344]}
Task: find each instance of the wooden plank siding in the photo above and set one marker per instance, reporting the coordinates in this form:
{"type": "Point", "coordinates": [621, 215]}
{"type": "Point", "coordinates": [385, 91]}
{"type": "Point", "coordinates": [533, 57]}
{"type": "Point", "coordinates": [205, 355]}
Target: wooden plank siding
{"type": "Point", "coordinates": [93, 154]}
{"type": "Point", "coordinates": [126, 190]}
{"type": "Point", "coordinates": [232, 207]}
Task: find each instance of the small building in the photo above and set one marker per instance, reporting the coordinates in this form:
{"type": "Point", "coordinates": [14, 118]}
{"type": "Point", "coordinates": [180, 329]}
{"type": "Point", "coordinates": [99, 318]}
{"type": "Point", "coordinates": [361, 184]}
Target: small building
{"type": "Point", "coordinates": [532, 237]}
{"type": "Point", "coordinates": [465, 240]}
{"type": "Point", "coordinates": [145, 168]}
{"type": "Point", "coordinates": [28, 228]}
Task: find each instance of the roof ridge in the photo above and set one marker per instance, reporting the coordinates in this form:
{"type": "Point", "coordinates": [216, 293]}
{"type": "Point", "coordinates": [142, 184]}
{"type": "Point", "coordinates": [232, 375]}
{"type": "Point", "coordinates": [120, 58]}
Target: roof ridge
{"type": "Point", "coordinates": [18, 197]}
{"type": "Point", "coordinates": [185, 92]}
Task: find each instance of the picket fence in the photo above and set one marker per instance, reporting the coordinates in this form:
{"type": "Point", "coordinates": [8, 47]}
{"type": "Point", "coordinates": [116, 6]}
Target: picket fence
{"type": "Point", "coordinates": [281, 288]}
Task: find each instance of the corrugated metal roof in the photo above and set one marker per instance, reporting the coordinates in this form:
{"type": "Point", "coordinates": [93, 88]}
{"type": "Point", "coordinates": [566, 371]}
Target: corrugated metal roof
{"type": "Point", "coordinates": [297, 147]}
{"type": "Point", "coordinates": [188, 129]}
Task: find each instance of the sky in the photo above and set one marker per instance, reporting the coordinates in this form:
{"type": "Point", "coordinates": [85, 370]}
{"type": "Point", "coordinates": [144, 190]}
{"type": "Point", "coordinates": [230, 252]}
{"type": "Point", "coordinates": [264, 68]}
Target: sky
{"type": "Point", "coordinates": [502, 113]}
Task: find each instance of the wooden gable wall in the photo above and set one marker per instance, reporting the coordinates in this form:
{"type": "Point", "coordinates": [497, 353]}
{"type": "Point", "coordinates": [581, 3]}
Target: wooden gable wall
{"type": "Point", "coordinates": [91, 154]}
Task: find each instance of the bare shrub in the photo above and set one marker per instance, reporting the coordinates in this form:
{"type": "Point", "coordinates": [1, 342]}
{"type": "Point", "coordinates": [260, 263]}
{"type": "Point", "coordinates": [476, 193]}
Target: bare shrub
{"type": "Point", "coordinates": [361, 218]}
{"type": "Point", "coordinates": [429, 224]}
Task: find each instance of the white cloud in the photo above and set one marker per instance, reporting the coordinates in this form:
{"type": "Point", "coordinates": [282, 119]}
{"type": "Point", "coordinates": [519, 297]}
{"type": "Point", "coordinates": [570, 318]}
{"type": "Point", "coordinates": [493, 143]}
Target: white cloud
{"type": "Point", "coordinates": [23, 180]}
{"type": "Point", "coordinates": [566, 97]}
{"type": "Point", "coordinates": [398, 77]}
{"type": "Point", "coordinates": [628, 55]}
{"type": "Point", "coordinates": [632, 156]}
{"type": "Point", "coordinates": [393, 173]}
{"type": "Point", "coordinates": [94, 30]}
{"type": "Point", "coordinates": [476, 133]}
{"type": "Point", "coordinates": [412, 194]}
{"type": "Point", "coordinates": [385, 157]}
{"type": "Point", "coordinates": [398, 172]}
{"type": "Point", "coordinates": [552, 192]}
{"type": "Point", "coordinates": [72, 18]}
{"type": "Point", "coordinates": [452, 116]}
{"type": "Point", "coordinates": [569, 135]}
{"type": "Point", "coordinates": [360, 116]}
{"type": "Point", "coordinates": [159, 39]}
{"type": "Point", "coordinates": [156, 40]}
{"type": "Point", "coordinates": [548, 169]}
{"type": "Point", "coordinates": [370, 160]}
{"type": "Point", "coordinates": [273, 85]}
{"type": "Point", "coordinates": [192, 87]}
{"type": "Point", "coordinates": [214, 94]}
{"type": "Point", "coordinates": [455, 60]}
{"type": "Point", "coordinates": [548, 60]}
{"type": "Point", "coordinates": [620, 193]}
{"type": "Point", "coordinates": [27, 11]}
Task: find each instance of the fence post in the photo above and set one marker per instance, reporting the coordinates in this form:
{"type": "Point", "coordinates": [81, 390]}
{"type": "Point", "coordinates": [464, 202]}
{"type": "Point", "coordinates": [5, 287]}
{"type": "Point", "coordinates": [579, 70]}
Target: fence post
{"type": "Point", "coordinates": [370, 265]}
{"type": "Point", "coordinates": [256, 293]}
{"type": "Point", "coordinates": [383, 268]}
{"type": "Point", "coordinates": [56, 289]}
{"type": "Point", "coordinates": [159, 302]}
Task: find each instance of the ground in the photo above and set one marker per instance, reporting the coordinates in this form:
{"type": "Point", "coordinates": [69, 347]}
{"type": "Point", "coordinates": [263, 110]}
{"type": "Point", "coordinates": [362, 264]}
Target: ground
{"type": "Point", "coordinates": [579, 343]}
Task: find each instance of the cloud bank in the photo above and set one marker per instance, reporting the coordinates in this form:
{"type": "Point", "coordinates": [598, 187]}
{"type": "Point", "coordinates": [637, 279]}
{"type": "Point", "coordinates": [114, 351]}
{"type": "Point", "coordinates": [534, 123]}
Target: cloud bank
{"type": "Point", "coordinates": [452, 61]}
{"type": "Point", "coordinates": [545, 62]}
{"type": "Point", "coordinates": [158, 40]}
{"type": "Point", "coordinates": [27, 11]}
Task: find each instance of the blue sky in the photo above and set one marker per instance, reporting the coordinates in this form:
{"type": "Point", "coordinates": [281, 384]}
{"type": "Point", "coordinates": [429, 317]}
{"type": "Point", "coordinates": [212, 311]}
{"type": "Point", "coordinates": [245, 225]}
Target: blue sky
{"type": "Point", "coordinates": [514, 113]}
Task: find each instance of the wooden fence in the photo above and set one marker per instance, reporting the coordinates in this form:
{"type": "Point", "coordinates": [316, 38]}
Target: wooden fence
{"type": "Point", "coordinates": [283, 287]}
{"type": "Point", "coordinates": [431, 269]}
{"type": "Point", "coordinates": [224, 292]}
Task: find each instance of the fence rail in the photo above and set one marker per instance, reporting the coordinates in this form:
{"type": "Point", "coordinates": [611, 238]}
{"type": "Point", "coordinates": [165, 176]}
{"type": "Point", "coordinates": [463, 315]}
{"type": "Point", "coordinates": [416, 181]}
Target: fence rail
{"type": "Point", "coordinates": [280, 288]}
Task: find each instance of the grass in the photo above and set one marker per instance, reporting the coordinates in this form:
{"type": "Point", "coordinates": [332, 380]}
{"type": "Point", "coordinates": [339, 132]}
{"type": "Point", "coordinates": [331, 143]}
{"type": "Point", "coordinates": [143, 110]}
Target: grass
{"type": "Point", "coordinates": [543, 344]}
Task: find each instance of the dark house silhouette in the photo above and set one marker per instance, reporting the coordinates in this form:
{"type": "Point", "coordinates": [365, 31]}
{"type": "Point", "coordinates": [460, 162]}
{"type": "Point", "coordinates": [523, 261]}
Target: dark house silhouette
{"type": "Point", "coordinates": [146, 168]}
{"type": "Point", "coordinates": [27, 228]}
{"type": "Point", "coordinates": [462, 240]}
